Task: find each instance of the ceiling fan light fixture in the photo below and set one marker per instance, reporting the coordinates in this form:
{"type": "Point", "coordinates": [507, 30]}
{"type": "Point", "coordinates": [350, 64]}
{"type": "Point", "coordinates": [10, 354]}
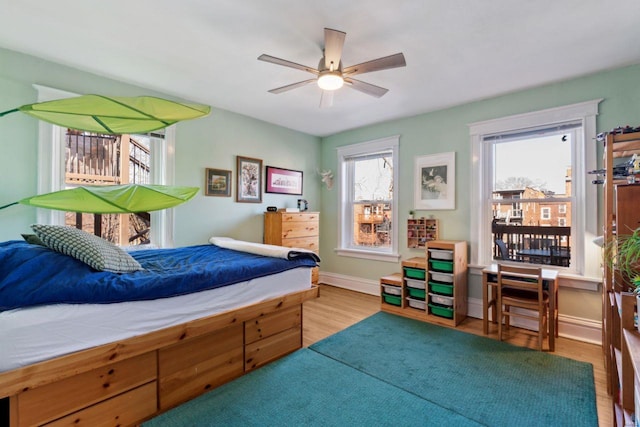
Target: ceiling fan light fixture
{"type": "Point", "coordinates": [330, 80]}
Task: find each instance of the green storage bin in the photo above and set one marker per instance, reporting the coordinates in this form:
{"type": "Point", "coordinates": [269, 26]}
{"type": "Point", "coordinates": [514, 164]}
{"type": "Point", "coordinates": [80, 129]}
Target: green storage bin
{"type": "Point", "coordinates": [414, 273]}
{"type": "Point", "coordinates": [441, 311]}
{"type": "Point", "coordinates": [441, 288]}
{"type": "Point", "coordinates": [441, 265]}
{"type": "Point", "coordinates": [417, 293]}
{"type": "Point", "coordinates": [392, 299]}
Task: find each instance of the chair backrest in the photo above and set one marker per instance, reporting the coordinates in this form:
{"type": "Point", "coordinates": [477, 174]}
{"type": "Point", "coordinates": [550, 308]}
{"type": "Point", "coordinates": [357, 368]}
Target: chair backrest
{"type": "Point", "coordinates": [502, 249]}
{"type": "Point", "coordinates": [523, 278]}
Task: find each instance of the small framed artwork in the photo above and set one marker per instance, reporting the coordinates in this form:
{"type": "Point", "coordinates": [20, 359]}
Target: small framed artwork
{"type": "Point", "coordinates": [217, 182]}
{"type": "Point", "coordinates": [435, 182]}
{"type": "Point", "coordinates": [283, 181]}
{"type": "Point", "coordinates": [248, 180]}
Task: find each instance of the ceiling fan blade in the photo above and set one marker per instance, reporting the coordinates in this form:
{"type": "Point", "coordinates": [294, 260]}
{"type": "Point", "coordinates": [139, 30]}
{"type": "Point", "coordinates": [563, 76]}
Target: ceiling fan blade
{"type": "Point", "coordinates": [391, 61]}
{"type": "Point", "coordinates": [333, 43]}
{"type": "Point", "coordinates": [326, 99]}
{"type": "Point", "coordinates": [292, 86]}
{"type": "Point", "coordinates": [284, 62]}
{"type": "Point", "coordinates": [367, 88]}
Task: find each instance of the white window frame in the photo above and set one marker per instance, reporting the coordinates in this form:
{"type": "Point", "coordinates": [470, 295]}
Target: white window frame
{"type": "Point", "coordinates": [562, 209]}
{"type": "Point", "coordinates": [345, 219]}
{"type": "Point", "coordinates": [51, 145]}
{"type": "Point", "coordinates": [583, 159]}
{"type": "Point", "coordinates": [545, 213]}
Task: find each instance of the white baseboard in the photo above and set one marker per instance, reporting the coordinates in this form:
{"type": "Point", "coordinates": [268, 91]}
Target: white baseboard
{"type": "Point", "coordinates": [366, 286]}
{"type": "Point", "coordinates": [575, 328]}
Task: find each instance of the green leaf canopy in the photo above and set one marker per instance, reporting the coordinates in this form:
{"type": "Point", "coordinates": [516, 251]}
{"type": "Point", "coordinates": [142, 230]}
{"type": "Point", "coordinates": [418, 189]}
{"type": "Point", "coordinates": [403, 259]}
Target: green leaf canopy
{"type": "Point", "coordinates": [113, 115]}
{"type": "Point", "coordinates": [106, 199]}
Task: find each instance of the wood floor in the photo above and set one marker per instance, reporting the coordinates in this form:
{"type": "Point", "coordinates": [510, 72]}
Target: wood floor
{"type": "Point", "coordinates": [338, 308]}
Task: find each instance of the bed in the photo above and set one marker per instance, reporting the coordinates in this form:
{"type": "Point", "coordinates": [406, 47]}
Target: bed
{"type": "Point", "coordinates": [122, 355]}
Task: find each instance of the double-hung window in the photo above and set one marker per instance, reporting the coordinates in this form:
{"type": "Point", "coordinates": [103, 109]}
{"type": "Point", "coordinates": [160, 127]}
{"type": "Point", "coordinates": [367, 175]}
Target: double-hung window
{"type": "Point", "coordinates": [368, 201]}
{"type": "Point", "coordinates": [529, 187]}
{"type": "Point", "coordinates": [60, 151]}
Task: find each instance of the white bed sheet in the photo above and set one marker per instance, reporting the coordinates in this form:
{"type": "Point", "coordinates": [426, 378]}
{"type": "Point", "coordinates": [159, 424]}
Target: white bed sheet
{"type": "Point", "coordinates": [35, 334]}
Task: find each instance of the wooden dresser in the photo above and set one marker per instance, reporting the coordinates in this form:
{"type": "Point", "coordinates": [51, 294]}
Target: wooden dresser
{"type": "Point", "coordinates": [294, 230]}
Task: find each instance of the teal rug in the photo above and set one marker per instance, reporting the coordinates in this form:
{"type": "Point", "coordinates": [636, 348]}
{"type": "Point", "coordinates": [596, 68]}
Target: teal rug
{"type": "Point", "coordinates": [388, 370]}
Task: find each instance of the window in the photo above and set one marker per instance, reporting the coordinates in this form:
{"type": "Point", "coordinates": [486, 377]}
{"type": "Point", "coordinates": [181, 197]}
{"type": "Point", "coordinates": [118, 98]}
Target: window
{"type": "Point", "coordinates": [562, 209]}
{"type": "Point", "coordinates": [526, 167]}
{"type": "Point", "coordinates": [52, 169]}
{"type": "Point", "coordinates": [368, 203]}
{"type": "Point", "coordinates": [96, 159]}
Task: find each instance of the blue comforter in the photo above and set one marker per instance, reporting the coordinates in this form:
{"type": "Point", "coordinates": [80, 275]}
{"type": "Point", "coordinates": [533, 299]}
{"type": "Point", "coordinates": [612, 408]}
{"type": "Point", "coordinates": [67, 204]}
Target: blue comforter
{"type": "Point", "coordinates": [33, 275]}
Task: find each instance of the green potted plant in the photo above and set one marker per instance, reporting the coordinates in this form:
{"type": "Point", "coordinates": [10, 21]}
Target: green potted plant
{"type": "Point", "coordinates": [623, 254]}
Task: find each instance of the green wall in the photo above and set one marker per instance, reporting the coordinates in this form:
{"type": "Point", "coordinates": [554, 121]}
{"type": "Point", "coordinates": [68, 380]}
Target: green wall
{"type": "Point", "coordinates": [447, 130]}
{"type": "Point", "coordinates": [210, 142]}
{"type": "Point", "coordinates": [214, 142]}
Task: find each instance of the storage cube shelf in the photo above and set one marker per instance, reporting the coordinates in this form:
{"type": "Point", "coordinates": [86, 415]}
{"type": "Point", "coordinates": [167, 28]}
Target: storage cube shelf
{"type": "Point", "coordinates": [433, 287]}
{"type": "Point", "coordinates": [420, 231]}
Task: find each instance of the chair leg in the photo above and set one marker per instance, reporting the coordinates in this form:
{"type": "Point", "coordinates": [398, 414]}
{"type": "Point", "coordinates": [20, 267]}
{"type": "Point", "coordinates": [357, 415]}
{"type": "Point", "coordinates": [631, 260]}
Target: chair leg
{"type": "Point", "coordinates": [500, 318]}
{"type": "Point", "coordinates": [541, 327]}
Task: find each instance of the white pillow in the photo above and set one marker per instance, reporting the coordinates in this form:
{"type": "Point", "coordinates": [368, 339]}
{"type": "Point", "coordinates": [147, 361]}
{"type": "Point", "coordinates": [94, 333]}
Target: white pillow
{"type": "Point", "coordinates": [92, 250]}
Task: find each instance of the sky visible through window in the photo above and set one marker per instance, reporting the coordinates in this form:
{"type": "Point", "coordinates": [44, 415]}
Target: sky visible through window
{"type": "Point", "coordinates": [543, 160]}
{"type": "Point", "coordinates": [372, 179]}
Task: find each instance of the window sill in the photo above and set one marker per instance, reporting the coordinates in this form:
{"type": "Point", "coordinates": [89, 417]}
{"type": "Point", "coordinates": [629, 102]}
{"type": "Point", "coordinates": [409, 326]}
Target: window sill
{"type": "Point", "coordinates": [372, 255]}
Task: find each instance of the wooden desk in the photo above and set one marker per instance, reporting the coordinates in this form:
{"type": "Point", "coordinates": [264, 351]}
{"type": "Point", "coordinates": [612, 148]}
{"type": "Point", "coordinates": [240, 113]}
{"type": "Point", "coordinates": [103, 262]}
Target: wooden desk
{"type": "Point", "coordinates": [489, 295]}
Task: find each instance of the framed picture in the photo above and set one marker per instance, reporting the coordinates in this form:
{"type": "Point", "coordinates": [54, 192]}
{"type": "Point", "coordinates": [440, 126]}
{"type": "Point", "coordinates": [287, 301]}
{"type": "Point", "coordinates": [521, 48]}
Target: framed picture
{"type": "Point", "coordinates": [283, 181]}
{"type": "Point", "coordinates": [217, 182]}
{"type": "Point", "coordinates": [435, 182]}
{"type": "Point", "coordinates": [249, 180]}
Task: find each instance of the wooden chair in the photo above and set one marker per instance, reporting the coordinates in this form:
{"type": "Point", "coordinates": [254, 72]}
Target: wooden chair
{"type": "Point", "coordinates": [522, 287]}
{"type": "Point", "coordinates": [502, 249]}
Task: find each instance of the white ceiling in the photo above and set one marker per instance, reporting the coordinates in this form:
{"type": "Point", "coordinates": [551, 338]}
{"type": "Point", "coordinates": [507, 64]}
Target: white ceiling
{"type": "Point", "coordinates": [205, 51]}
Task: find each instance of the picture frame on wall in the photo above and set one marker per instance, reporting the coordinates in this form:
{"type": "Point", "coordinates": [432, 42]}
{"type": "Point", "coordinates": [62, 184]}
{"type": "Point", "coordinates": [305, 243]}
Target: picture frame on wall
{"type": "Point", "coordinates": [217, 182]}
{"type": "Point", "coordinates": [435, 182]}
{"type": "Point", "coordinates": [248, 180]}
{"type": "Point", "coordinates": [283, 181]}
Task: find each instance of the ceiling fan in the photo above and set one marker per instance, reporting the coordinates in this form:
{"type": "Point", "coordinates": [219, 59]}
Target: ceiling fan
{"type": "Point", "coordinates": [330, 74]}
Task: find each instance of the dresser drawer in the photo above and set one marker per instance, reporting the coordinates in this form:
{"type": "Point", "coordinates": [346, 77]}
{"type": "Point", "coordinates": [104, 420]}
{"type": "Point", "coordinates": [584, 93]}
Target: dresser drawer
{"type": "Point", "coordinates": [301, 216]}
{"type": "Point", "coordinates": [295, 229]}
{"type": "Point", "coordinates": [310, 243]}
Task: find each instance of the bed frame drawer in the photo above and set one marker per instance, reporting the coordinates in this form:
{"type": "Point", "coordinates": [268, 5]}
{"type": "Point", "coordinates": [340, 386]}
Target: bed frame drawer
{"type": "Point", "coordinates": [45, 403]}
{"type": "Point", "coordinates": [265, 326]}
{"type": "Point", "coordinates": [189, 368]}
{"type": "Point", "coordinates": [122, 410]}
{"type": "Point", "coordinates": [266, 350]}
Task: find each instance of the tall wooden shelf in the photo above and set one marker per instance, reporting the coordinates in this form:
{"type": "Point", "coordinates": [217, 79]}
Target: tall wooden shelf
{"type": "Point", "coordinates": [621, 215]}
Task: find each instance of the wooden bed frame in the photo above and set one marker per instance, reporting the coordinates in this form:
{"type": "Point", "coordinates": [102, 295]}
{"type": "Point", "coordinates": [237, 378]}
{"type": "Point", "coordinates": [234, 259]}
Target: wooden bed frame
{"type": "Point", "coordinates": [129, 381]}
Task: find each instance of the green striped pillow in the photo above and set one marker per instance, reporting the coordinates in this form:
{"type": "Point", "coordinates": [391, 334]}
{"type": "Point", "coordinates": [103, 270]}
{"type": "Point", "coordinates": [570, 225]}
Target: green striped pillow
{"type": "Point", "coordinates": [92, 250]}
